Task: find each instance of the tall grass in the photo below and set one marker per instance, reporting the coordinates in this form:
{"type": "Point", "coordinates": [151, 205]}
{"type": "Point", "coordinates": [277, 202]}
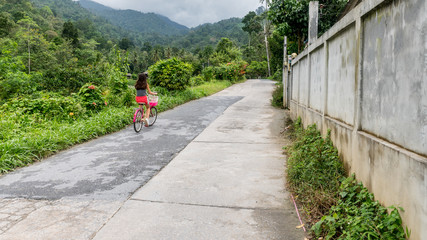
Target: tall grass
{"type": "Point", "coordinates": [29, 141]}
{"type": "Point", "coordinates": [314, 170]}
{"type": "Point", "coordinates": [27, 138]}
{"type": "Point", "coordinates": [338, 206]}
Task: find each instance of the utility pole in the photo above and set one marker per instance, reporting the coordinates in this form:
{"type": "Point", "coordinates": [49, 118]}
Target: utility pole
{"type": "Point", "coordinates": [313, 21]}
{"type": "Point", "coordinates": [266, 29]}
{"type": "Point", "coordinates": [285, 73]}
{"type": "Point", "coordinates": [266, 48]}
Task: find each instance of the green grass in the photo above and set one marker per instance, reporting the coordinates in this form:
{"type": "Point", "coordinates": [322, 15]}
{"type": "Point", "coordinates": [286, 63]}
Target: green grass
{"type": "Point", "coordinates": [29, 141]}
{"type": "Point", "coordinates": [28, 138]}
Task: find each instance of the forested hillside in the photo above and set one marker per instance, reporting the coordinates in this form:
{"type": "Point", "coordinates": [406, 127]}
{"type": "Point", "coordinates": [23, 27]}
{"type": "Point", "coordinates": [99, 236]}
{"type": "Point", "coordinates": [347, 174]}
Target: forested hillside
{"type": "Point", "coordinates": [89, 25]}
{"type": "Point", "coordinates": [157, 28]}
{"type": "Point", "coordinates": [137, 28]}
{"type": "Point", "coordinates": [136, 21]}
{"type": "Point", "coordinates": [210, 34]}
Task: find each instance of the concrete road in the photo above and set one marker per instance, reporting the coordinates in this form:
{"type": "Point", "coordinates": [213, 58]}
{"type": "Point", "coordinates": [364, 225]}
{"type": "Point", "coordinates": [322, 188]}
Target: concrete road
{"type": "Point", "coordinates": [224, 178]}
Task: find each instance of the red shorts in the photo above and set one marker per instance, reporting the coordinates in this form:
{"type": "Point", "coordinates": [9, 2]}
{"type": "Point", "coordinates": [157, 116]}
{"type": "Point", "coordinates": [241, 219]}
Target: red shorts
{"type": "Point", "coordinates": [142, 99]}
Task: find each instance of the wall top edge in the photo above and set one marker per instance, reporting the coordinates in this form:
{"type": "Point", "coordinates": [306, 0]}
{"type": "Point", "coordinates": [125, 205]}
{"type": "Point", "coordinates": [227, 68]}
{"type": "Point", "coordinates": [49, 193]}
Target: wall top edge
{"type": "Point", "coordinates": [368, 5]}
{"type": "Point", "coordinates": [315, 46]}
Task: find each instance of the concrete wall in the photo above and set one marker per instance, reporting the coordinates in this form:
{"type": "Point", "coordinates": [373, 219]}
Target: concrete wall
{"type": "Point", "coordinates": [366, 80]}
{"type": "Point", "coordinates": [317, 80]}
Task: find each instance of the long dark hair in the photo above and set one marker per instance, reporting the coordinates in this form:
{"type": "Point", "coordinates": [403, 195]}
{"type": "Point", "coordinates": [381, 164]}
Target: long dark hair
{"type": "Point", "coordinates": [142, 81]}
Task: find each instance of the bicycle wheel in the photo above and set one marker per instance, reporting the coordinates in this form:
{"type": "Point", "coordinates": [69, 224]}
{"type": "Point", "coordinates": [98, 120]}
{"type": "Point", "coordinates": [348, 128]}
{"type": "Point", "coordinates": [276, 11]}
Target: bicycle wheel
{"type": "Point", "coordinates": [137, 124]}
{"type": "Point", "coordinates": [153, 116]}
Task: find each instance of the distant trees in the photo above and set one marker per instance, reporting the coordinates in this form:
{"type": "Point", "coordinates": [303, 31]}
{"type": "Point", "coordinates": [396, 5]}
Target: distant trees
{"type": "Point", "coordinates": [6, 24]}
{"type": "Point", "coordinates": [125, 44]}
{"type": "Point", "coordinates": [255, 52]}
{"type": "Point", "coordinates": [70, 32]}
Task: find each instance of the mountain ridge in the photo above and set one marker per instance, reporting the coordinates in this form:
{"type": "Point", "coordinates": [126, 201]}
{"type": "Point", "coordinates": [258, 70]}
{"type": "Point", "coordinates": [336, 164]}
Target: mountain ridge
{"type": "Point", "coordinates": [102, 29]}
{"type": "Point", "coordinates": [135, 20]}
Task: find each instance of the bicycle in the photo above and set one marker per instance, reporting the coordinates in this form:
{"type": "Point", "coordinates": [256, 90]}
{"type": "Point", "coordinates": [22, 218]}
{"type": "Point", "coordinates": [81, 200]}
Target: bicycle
{"type": "Point", "coordinates": [139, 113]}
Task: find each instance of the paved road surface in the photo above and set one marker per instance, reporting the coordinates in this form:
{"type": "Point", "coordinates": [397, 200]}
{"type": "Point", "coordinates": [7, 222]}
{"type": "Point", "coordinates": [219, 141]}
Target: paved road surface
{"type": "Point", "coordinates": [216, 182]}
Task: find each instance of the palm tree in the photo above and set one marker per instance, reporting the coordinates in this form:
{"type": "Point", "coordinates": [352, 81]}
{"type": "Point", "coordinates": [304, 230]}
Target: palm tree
{"type": "Point", "coordinates": [168, 52]}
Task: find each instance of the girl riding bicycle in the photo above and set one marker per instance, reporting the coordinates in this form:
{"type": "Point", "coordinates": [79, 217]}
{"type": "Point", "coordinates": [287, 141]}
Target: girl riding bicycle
{"type": "Point", "coordinates": [141, 87]}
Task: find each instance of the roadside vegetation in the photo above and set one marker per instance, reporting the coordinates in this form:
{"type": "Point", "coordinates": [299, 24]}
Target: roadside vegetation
{"type": "Point", "coordinates": [335, 205]}
{"type": "Point", "coordinates": [277, 100]}
{"type": "Point", "coordinates": [31, 129]}
{"type": "Point", "coordinates": [60, 87]}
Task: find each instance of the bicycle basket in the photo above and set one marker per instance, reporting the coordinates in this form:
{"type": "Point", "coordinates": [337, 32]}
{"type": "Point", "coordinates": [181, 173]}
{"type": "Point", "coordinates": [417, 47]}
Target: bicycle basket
{"type": "Point", "coordinates": [153, 99]}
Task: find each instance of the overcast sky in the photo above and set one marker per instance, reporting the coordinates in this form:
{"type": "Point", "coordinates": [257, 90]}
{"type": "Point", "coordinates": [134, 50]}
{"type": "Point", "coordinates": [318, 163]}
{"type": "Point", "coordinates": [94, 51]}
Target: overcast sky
{"type": "Point", "coordinates": [190, 13]}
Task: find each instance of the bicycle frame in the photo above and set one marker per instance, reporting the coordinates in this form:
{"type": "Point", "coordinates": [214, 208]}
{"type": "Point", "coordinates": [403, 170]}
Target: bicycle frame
{"type": "Point", "coordinates": [136, 111]}
{"type": "Point", "coordinates": [137, 118]}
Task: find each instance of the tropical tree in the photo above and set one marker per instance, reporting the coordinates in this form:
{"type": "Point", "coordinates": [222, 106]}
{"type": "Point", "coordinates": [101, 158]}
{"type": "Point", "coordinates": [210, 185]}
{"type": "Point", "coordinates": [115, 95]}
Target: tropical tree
{"type": "Point", "coordinates": [291, 17]}
{"type": "Point", "coordinates": [27, 34]}
{"type": "Point", "coordinates": [251, 24]}
{"type": "Point", "coordinates": [13, 79]}
{"type": "Point", "coordinates": [205, 54]}
{"type": "Point", "coordinates": [225, 52]}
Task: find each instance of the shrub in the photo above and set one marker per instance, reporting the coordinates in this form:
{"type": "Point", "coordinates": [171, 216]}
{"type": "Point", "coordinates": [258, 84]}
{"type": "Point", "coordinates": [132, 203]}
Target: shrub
{"type": "Point", "coordinates": [358, 216]}
{"type": "Point", "coordinates": [117, 80]}
{"type": "Point", "coordinates": [49, 106]}
{"type": "Point", "coordinates": [128, 97]}
{"type": "Point", "coordinates": [171, 74]}
{"type": "Point", "coordinates": [125, 98]}
{"type": "Point", "coordinates": [91, 97]}
{"type": "Point", "coordinates": [195, 81]}
{"type": "Point", "coordinates": [277, 100]}
{"type": "Point", "coordinates": [13, 79]}
{"type": "Point", "coordinates": [233, 71]}
{"type": "Point", "coordinates": [277, 76]}
{"type": "Point", "coordinates": [68, 79]}
{"type": "Point", "coordinates": [208, 74]}
{"type": "Point", "coordinates": [14, 84]}
{"type": "Point", "coordinates": [257, 69]}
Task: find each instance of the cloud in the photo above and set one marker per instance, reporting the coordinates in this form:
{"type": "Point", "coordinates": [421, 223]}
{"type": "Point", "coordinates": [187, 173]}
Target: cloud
{"type": "Point", "coordinates": [190, 13]}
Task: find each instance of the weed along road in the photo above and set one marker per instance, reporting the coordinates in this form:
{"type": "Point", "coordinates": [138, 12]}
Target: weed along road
{"type": "Point", "coordinates": [209, 169]}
